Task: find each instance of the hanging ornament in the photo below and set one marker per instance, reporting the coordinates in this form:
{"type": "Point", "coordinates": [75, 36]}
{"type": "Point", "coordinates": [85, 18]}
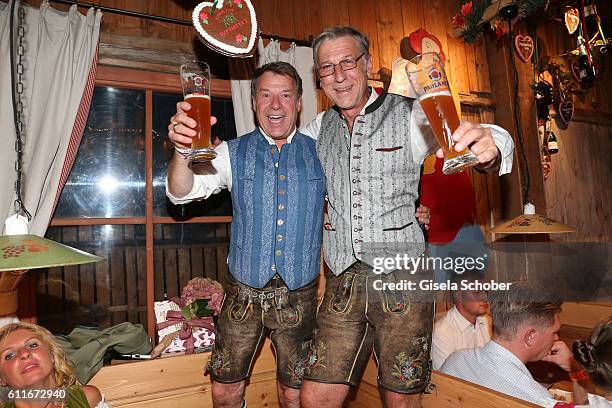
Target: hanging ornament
{"type": "Point", "coordinates": [572, 19]}
{"type": "Point", "coordinates": [544, 153]}
{"type": "Point", "coordinates": [524, 47]}
{"type": "Point", "coordinates": [566, 110]}
{"type": "Point", "coordinates": [575, 69]}
{"type": "Point", "coordinates": [228, 27]}
{"type": "Point", "coordinates": [552, 145]}
{"type": "Point", "coordinates": [546, 162]}
{"type": "Point", "coordinates": [544, 98]}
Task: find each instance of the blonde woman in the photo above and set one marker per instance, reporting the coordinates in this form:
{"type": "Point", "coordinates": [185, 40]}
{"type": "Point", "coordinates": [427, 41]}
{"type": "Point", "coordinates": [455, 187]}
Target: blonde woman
{"type": "Point", "coordinates": [31, 360]}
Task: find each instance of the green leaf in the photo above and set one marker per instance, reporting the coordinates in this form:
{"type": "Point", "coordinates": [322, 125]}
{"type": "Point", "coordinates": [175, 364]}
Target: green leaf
{"type": "Point", "coordinates": [186, 312]}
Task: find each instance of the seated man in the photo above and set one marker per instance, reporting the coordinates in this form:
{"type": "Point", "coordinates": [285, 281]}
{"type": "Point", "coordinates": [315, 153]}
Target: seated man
{"type": "Point", "coordinates": [525, 329]}
{"type": "Point", "coordinates": [464, 326]}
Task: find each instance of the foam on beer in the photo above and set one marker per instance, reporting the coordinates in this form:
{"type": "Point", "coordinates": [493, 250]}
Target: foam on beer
{"type": "Point", "coordinates": [432, 94]}
{"type": "Point", "coordinates": [196, 95]}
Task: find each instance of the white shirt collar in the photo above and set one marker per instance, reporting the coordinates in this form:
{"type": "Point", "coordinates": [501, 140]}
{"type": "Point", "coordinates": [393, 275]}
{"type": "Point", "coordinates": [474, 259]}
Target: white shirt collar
{"type": "Point", "coordinates": [371, 99]}
{"type": "Point", "coordinates": [272, 141]}
{"type": "Point", "coordinates": [463, 323]}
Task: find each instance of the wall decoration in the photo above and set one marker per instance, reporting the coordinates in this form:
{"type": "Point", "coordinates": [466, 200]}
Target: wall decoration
{"type": "Point", "coordinates": [566, 110]}
{"type": "Point", "coordinates": [473, 15]}
{"type": "Point", "coordinates": [524, 47]}
{"type": "Point", "coordinates": [227, 26]}
{"type": "Point", "coordinates": [422, 41]}
{"type": "Point", "coordinates": [572, 19]}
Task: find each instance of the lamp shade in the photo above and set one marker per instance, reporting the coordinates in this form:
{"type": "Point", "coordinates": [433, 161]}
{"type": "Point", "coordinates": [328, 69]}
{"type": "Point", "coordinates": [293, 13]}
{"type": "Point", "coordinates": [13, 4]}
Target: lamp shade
{"type": "Point", "coordinates": [20, 252]}
{"type": "Point", "coordinates": [531, 223]}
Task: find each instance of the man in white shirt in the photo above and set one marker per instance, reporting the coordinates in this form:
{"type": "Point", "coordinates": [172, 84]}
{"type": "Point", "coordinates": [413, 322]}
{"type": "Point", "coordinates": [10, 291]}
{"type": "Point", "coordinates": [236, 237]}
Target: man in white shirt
{"type": "Point", "coordinates": [464, 326]}
{"type": "Point", "coordinates": [525, 329]}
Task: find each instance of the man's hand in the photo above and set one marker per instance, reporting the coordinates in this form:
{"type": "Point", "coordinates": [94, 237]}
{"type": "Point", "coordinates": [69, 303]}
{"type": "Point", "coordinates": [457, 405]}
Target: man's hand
{"type": "Point", "coordinates": [479, 140]}
{"type": "Point", "coordinates": [423, 215]}
{"type": "Point", "coordinates": [182, 128]}
{"type": "Point", "coordinates": [561, 355]}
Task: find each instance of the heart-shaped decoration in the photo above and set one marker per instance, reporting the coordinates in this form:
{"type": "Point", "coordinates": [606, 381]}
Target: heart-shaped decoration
{"type": "Point", "coordinates": [572, 19]}
{"type": "Point", "coordinates": [566, 110]}
{"type": "Point", "coordinates": [227, 26]}
{"type": "Point", "coordinates": [575, 69]}
{"type": "Point", "coordinates": [524, 47]}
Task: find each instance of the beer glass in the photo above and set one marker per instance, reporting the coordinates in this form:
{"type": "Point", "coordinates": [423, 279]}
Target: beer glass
{"type": "Point", "coordinates": [429, 81]}
{"type": "Point", "coordinates": [195, 80]}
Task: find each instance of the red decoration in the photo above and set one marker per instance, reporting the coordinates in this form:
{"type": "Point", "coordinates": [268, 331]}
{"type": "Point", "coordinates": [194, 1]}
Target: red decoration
{"type": "Point", "coordinates": [422, 41]}
{"type": "Point", "coordinates": [227, 27]}
{"type": "Point", "coordinates": [524, 47]}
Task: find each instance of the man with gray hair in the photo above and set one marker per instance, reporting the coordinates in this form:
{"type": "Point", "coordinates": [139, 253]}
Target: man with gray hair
{"type": "Point", "coordinates": [525, 329]}
{"type": "Point", "coordinates": [371, 147]}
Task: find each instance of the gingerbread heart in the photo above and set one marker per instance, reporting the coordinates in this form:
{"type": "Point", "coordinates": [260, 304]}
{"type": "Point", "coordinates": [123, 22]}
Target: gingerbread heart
{"type": "Point", "coordinates": [566, 110]}
{"type": "Point", "coordinates": [572, 19]}
{"type": "Point", "coordinates": [524, 47]}
{"type": "Point", "coordinates": [227, 26]}
{"type": "Point", "coordinates": [575, 69]}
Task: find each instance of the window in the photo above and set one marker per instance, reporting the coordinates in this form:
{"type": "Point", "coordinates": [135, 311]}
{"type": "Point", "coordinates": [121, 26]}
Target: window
{"type": "Point", "coordinates": [114, 205]}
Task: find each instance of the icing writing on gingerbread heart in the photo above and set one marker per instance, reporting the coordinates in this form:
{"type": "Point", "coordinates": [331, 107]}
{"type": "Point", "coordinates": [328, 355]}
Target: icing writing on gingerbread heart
{"type": "Point", "coordinates": [227, 26]}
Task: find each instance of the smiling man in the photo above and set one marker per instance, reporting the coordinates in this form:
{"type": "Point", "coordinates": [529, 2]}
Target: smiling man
{"type": "Point", "coordinates": [371, 147]}
{"type": "Point", "coordinates": [277, 187]}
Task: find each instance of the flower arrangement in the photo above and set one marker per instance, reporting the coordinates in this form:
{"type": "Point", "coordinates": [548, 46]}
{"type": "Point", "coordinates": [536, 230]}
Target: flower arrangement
{"type": "Point", "coordinates": [200, 300]}
{"type": "Point", "coordinates": [473, 15]}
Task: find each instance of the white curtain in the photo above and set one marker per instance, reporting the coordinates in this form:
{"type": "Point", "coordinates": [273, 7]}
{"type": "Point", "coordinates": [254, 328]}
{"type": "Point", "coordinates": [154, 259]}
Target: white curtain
{"type": "Point", "coordinates": [242, 69]}
{"type": "Point", "coordinates": [60, 61]}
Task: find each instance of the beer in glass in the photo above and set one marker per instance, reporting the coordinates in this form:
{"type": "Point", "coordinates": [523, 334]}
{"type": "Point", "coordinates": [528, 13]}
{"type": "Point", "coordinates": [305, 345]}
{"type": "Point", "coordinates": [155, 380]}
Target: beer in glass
{"type": "Point", "coordinates": [195, 79]}
{"type": "Point", "coordinates": [429, 81]}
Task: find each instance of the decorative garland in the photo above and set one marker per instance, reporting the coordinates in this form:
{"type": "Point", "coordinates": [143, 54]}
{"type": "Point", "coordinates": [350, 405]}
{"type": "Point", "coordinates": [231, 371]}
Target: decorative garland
{"type": "Point", "coordinates": [474, 14]}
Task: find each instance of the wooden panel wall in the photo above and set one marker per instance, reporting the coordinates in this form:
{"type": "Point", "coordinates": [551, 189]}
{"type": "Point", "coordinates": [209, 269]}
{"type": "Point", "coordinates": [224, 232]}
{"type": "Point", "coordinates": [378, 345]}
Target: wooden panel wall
{"type": "Point", "coordinates": [579, 189]}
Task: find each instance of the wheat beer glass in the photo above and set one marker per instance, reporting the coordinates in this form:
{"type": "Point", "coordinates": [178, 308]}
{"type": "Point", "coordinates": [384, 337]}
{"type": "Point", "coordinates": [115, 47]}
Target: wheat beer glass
{"type": "Point", "coordinates": [195, 79]}
{"type": "Point", "coordinates": [429, 81]}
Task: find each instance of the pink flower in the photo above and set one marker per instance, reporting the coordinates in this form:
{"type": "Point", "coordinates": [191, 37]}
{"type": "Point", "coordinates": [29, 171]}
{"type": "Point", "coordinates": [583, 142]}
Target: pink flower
{"type": "Point", "coordinates": [466, 9]}
{"type": "Point", "coordinates": [204, 288]}
{"type": "Point", "coordinates": [203, 15]}
{"type": "Point", "coordinates": [238, 37]}
{"type": "Point", "coordinates": [237, 2]}
{"type": "Point", "coordinates": [458, 20]}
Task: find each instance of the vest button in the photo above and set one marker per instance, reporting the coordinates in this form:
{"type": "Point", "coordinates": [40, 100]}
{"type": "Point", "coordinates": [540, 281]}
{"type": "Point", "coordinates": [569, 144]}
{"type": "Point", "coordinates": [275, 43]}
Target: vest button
{"type": "Point", "coordinates": [273, 268]}
{"type": "Point", "coordinates": [281, 177]}
{"type": "Point", "coordinates": [281, 191]}
{"type": "Point", "coordinates": [281, 207]}
{"type": "Point", "coordinates": [280, 222]}
{"type": "Point", "coordinates": [278, 252]}
{"type": "Point", "coordinates": [279, 237]}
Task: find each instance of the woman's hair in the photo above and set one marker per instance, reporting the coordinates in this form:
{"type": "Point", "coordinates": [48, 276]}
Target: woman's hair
{"type": "Point", "coordinates": [63, 372]}
{"type": "Point", "coordinates": [595, 354]}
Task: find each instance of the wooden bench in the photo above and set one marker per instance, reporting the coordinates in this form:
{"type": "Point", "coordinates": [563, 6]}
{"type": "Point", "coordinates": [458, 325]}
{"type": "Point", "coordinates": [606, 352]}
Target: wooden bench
{"type": "Point", "coordinates": [178, 382]}
{"type": "Point", "coordinates": [449, 392]}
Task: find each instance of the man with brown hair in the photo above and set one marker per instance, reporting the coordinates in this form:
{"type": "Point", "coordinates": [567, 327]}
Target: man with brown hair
{"type": "Point", "coordinates": [466, 325]}
{"type": "Point", "coordinates": [525, 329]}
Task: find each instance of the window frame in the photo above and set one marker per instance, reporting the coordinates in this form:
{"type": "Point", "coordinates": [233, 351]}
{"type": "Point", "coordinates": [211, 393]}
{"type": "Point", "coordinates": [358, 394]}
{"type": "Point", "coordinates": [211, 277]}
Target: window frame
{"type": "Point", "coordinates": [149, 82]}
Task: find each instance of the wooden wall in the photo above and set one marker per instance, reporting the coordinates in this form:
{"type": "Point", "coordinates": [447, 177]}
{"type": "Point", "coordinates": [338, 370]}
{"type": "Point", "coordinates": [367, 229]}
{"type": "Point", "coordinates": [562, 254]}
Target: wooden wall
{"type": "Point", "coordinates": [579, 189]}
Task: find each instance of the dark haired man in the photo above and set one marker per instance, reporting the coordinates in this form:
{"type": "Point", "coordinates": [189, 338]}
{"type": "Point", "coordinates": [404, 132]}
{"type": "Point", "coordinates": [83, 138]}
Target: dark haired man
{"type": "Point", "coordinates": [277, 187]}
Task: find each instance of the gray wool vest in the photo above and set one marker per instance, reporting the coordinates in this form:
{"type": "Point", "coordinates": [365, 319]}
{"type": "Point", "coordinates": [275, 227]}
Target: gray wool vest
{"type": "Point", "coordinates": [372, 184]}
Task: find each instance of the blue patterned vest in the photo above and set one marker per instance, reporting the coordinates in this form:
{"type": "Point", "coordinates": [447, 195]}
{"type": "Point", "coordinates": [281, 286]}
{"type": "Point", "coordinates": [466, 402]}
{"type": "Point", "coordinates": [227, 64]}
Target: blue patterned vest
{"type": "Point", "coordinates": [277, 200]}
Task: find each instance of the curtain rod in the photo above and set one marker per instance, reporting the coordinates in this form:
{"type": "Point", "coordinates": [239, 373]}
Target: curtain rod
{"type": "Point", "coordinates": [304, 43]}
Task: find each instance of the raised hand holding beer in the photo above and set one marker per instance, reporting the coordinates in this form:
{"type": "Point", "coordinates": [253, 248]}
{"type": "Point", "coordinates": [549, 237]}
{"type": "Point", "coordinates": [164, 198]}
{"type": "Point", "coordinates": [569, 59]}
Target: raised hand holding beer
{"type": "Point", "coordinates": [427, 77]}
{"type": "Point", "coordinates": [195, 80]}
